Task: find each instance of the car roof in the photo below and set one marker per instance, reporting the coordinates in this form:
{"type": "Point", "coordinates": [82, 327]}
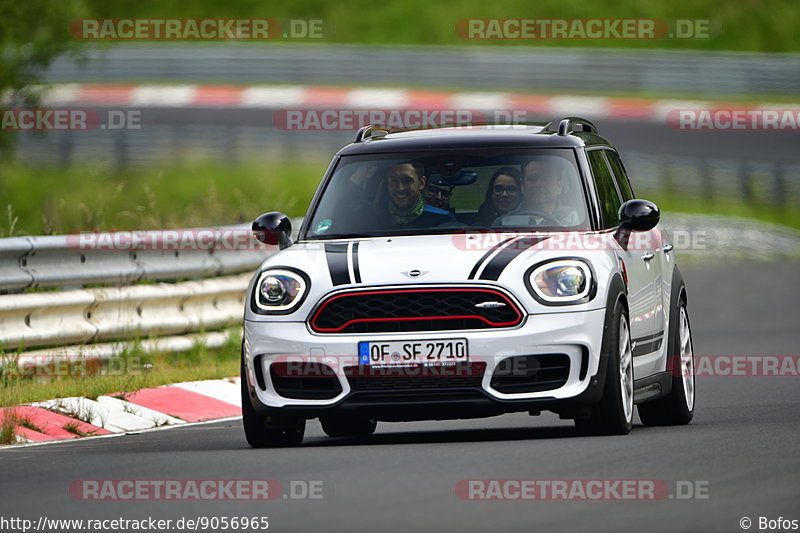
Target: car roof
{"type": "Point", "coordinates": [471, 136]}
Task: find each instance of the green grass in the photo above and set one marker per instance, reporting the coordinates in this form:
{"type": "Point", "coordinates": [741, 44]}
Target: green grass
{"type": "Point", "coordinates": [74, 428]}
{"type": "Point", "coordinates": [89, 197]}
{"type": "Point", "coordinates": [35, 201]}
{"type": "Point", "coordinates": [767, 25]}
{"type": "Point", "coordinates": [788, 215]}
{"type": "Point", "coordinates": [8, 424]}
{"type": "Point", "coordinates": [128, 373]}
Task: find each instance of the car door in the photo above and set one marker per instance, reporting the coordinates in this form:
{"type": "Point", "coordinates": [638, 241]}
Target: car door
{"type": "Point", "coordinates": [653, 242]}
{"type": "Point", "coordinates": [639, 265]}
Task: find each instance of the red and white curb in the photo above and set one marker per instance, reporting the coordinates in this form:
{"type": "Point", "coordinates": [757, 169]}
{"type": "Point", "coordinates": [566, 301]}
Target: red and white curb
{"type": "Point", "coordinates": [169, 405]}
{"type": "Point", "coordinates": [309, 97]}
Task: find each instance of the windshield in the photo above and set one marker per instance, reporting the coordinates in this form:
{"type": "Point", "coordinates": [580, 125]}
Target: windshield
{"type": "Point", "coordinates": [448, 191]}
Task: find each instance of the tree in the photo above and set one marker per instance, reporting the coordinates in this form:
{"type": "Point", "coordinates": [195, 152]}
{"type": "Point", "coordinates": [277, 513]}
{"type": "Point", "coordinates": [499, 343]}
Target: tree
{"type": "Point", "coordinates": [32, 34]}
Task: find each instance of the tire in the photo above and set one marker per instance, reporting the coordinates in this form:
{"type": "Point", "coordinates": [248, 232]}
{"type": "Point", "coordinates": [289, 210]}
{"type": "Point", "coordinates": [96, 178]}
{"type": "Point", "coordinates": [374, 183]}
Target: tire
{"type": "Point", "coordinates": [337, 426]}
{"type": "Point", "coordinates": [613, 414]}
{"type": "Point", "coordinates": [677, 408]}
{"type": "Point", "coordinates": [269, 431]}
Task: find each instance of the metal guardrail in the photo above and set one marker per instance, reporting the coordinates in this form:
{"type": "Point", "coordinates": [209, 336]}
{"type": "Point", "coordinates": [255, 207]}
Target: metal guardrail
{"type": "Point", "coordinates": [125, 308]}
{"type": "Point", "coordinates": [140, 311]}
{"type": "Point", "coordinates": [530, 68]}
{"type": "Point", "coordinates": [61, 261]}
{"type": "Point", "coordinates": [81, 316]}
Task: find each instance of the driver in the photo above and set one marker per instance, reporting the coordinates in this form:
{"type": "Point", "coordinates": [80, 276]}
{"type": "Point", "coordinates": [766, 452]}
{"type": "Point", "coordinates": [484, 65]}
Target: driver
{"type": "Point", "coordinates": [407, 207]}
{"type": "Point", "coordinates": [542, 186]}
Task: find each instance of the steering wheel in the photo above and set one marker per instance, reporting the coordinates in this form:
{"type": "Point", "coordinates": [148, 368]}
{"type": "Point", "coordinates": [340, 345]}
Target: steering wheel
{"type": "Point", "coordinates": [541, 214]}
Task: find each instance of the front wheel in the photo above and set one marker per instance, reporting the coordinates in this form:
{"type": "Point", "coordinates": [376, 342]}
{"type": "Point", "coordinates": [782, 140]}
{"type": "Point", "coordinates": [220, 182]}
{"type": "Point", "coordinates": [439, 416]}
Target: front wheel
{"type": "Point", "coordinates": [613, 415]}
{"type": "Point", "coordinates": [677, 408]}
{"type": "Point", "coordinates": [269, 431]}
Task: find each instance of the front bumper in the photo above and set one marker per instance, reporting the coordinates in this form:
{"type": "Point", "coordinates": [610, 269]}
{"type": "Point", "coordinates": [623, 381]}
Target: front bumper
{"type": "Point", "coordinates": [578, 335]}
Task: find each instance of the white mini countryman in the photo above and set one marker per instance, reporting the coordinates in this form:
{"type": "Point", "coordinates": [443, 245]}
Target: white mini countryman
{"type": "Point", "coordinates": [464, 272]}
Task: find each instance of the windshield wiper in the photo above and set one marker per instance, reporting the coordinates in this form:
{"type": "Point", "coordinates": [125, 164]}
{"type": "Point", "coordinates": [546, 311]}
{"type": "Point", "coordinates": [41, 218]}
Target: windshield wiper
{"type": "Point", "coordinates": [344, 236]}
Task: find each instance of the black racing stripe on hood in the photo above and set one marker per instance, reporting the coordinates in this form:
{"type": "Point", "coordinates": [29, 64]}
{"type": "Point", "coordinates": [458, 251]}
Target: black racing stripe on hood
{"type": "Point", "coordinates": [336, 255]}
{"type": "Point", "coordinates": [500, 261]}
{"type": "Point", "coordinates": [356, 269]}
{"type": "Point", "coordinates": [485, 256]}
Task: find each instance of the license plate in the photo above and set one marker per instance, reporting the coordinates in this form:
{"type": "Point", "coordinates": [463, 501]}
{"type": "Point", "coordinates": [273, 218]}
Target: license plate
{"type": "Point", "coordinates": [425, 352]}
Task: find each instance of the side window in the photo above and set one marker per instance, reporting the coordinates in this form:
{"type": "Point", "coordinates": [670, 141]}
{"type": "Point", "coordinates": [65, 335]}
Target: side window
{"type": "Point", "coordinates": [606, 190]}
{"type": "Point", "coordinates": [623, 184]}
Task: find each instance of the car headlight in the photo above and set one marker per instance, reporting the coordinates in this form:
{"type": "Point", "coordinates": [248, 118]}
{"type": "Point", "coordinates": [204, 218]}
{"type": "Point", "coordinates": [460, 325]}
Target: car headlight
{"type": "Point", "coordinates": [561, 281]}
{"type": "Point", "coordinates": [279, 290]}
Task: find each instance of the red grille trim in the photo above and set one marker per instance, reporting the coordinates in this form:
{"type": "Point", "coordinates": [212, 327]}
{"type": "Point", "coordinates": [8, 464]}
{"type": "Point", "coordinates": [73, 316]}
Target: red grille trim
{"type": "Point", "coordinates": [492, 292]}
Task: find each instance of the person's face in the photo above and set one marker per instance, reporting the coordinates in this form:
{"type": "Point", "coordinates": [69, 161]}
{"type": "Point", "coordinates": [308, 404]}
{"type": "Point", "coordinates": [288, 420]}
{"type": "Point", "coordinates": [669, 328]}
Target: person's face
{"type": "Point", "coordinates": [505, 193]}
{"type": "Point", "coordinates": [404, 185]}
{"type": "Point", "coordinates": [541, 185]}
{"type": "Point", "coordinates": [437, 195]}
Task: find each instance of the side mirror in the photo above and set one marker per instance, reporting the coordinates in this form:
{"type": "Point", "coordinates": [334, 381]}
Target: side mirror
{"type": "Point", "coordinates": [273, 228]}
{"type": "Point", "coordinates": [638, 215]}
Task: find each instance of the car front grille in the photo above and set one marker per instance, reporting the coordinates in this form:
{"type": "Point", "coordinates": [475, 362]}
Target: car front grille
{"type": "Point", "coordinates": [417, 309]}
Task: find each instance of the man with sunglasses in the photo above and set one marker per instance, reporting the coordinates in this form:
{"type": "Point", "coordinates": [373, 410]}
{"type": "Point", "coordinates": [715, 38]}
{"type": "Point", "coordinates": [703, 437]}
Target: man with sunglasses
{"type": "Point", "coordinates": [542, 205]}
{"type": "Point", "coordinates": [437, 192]}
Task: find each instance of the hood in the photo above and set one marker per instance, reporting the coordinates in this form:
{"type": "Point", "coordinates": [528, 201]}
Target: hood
{"type": "Point", "coordinates": [409, 259]}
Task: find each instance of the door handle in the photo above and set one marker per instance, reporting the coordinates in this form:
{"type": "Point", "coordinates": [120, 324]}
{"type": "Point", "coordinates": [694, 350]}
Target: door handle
{"type": "Point", "coordinates": [667, 248]}
{"type": "Point", "coordinates": [647, 256]}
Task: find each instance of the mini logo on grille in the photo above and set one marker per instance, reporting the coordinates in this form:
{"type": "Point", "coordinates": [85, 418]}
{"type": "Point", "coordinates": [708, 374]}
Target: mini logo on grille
{"type": "Point", "coordinates": [415, 273]}
{"type": "Point", "coordinates": [489, 305]}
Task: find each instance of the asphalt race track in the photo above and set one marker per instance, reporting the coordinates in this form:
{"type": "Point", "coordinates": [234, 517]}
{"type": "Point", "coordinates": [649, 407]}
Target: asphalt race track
{"type": "Point", "coordinates": [741, 449]}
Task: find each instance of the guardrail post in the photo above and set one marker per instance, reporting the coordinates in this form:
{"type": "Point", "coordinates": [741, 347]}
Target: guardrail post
{"type": "Point", "coordinates": [178, 146]}
{"type": "Point", "coordinates": [706, 179]}
{"type": "Point", "coordinates": [231, 144]}
{"type": "Point", "coordinates": [665, 175]}
{"type": "Point", "coordinates": [778, 186]}
{"type": "Point", "coordinates": [745, 182]}
{"type": "Point", "coordinates": [120, 140]}
{"type": "Point", "coordinates": [65, 146]}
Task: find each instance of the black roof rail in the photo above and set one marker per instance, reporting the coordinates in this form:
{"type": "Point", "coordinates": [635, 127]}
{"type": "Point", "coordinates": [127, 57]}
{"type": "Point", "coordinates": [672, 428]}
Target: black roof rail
{"type": "Point", "coordinates": [366, 132]}
{"type": "Point", "coordinates": [376, 131]}
{"type": "Point", "coordinates": [566, 124]}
